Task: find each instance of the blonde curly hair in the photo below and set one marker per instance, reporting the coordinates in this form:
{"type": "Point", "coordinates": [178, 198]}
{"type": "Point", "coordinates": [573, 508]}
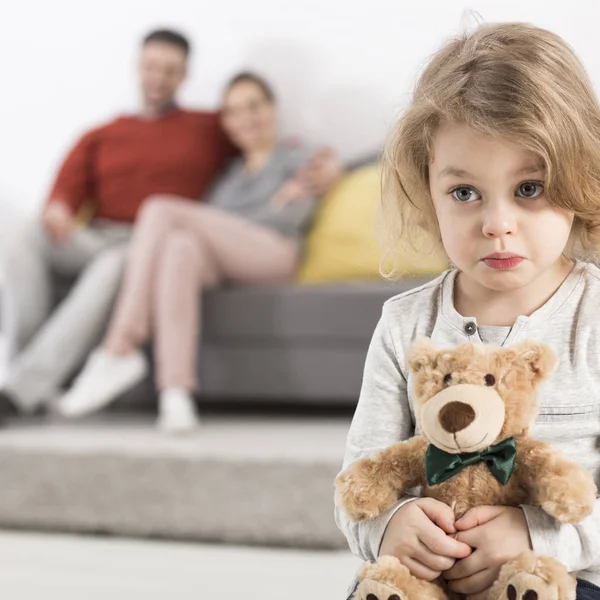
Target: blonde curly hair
{"type": "Point", "coordinates": [513, 80]}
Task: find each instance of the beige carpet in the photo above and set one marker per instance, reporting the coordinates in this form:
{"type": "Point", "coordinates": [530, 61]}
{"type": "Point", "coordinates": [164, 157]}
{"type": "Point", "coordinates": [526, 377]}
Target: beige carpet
{"type": "Point", "coordinates": [248, 480]}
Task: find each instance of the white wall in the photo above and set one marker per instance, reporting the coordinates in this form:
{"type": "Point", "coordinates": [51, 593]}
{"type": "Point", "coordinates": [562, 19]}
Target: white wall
{"type": "Point", "coordinates": [342, 67]}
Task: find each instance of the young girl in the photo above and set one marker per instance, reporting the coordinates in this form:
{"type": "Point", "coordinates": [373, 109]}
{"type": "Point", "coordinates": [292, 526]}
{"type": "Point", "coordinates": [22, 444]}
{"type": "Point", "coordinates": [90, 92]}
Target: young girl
{"type": "Point", "coordinates": [498, 157]}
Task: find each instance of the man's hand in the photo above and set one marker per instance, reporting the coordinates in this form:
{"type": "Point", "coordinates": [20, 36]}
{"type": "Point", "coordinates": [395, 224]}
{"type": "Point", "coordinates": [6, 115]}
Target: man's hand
{"type": "Point", "coordinates": [497, 534]}
{"type": "Point", "coordinates": [418, 535]}
{"type": "Point", "coordinates": [58, 222]}
{"type": "Point", "coordinates": [321, 172]}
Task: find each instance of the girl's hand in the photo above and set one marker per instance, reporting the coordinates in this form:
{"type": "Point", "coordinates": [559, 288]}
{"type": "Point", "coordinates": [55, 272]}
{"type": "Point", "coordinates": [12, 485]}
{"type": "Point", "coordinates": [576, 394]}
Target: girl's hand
{"type": "Point", "coordinates": [497, 534]}
{"type": "Point", "coordinates": [418, 536]}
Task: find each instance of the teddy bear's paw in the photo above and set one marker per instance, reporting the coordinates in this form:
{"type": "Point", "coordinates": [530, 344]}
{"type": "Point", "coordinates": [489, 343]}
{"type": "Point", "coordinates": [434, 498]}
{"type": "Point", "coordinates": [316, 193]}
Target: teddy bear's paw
{"type": "Point", "coordinates": [388, 579]}
{"type": "Point", "coordinates": [359, 494]}
{"type": "Point", "coordinates": [376, 590]}
{"type": "Point", "coordinates": [571, 501]}
{"type": "Point", "coordinates": [565, 513]}
{"type": "Point", "coordinates": [571, 508]}
{"type": "Point", "coordinates": [524, 586]}
{"type": "Point", "coordinates": [531, 577]}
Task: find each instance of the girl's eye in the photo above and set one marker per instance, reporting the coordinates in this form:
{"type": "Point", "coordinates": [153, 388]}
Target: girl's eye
{"type": "Point", "coordinates": [530, 189]}
{"type": "Point", "coordinates": [465, 194]}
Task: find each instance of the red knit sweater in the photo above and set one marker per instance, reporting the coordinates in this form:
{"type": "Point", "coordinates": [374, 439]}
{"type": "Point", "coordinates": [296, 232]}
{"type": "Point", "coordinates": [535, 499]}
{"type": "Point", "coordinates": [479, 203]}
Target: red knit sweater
{"type": "Point", "coordinates": [117, 166]}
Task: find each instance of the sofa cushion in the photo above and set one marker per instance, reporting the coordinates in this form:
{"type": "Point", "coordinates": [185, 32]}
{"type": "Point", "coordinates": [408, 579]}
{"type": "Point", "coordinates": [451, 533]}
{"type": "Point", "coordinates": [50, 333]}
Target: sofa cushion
{"type": "Point", "coordinates": [310, 373]}
{"type": "Point", "coordinates": [342, 244]}
{"type": "Point", "coordinates": [341, 312]}
{"type": "Point", "coordinates": [291, 312]}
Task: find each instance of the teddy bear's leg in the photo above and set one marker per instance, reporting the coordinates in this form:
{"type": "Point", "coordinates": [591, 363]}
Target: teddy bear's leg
{"type": "Point", "coordinates": [533, 577]}
{"type": "Point", "coordinates": [388, 579]}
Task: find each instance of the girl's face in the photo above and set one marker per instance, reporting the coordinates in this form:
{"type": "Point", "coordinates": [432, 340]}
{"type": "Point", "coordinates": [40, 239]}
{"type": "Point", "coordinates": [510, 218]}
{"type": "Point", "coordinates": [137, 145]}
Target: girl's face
{"type": "Point", "coordinates": [497, 224]}
{"type": "Point", "coordinates": [249, 118]}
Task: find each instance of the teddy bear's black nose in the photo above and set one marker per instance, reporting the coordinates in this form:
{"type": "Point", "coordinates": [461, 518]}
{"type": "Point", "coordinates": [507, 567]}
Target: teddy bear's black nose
{"type": "Point", "coordinates": [456, 416]}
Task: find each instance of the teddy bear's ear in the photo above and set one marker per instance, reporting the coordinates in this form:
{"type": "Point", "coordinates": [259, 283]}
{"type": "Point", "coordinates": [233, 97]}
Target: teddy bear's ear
{"type": "Point", "coordinates": [536, 358]}
{"type": "Point", "coordinates": [422, 354]}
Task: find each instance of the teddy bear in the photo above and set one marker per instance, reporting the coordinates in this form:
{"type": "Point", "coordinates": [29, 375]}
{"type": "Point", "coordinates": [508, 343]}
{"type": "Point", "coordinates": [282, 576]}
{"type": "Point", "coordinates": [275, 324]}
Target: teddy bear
{"type": "Point", "coordinates": [473, 405]}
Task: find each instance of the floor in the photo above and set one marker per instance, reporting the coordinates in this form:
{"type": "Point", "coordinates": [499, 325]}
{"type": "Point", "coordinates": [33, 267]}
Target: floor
{"type": "Point", "coordinates": [61, 567]}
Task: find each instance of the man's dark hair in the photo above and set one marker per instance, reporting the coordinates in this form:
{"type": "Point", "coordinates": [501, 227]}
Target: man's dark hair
{"type": "Point", "coordinates": [168, 36]}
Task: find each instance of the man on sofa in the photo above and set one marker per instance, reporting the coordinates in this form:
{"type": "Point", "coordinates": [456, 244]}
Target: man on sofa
{"type": "Point", "coordinates": [110, 171]}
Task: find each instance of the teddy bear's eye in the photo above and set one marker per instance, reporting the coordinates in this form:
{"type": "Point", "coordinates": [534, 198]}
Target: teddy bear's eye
{"type": "Point", "coordinates": [490, 380]}
{"type": "Point", "coordinates": [448, 379]}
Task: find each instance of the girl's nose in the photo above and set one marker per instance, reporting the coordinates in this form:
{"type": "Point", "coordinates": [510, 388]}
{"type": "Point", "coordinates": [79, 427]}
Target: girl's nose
{"type": "Point", "coordinates": [499, 219]}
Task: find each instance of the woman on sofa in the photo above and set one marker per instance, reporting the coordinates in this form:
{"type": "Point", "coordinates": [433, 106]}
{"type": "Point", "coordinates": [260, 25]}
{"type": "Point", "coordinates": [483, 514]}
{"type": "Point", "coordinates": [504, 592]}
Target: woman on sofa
{"type": "Point", "coordinates": [247, 230]}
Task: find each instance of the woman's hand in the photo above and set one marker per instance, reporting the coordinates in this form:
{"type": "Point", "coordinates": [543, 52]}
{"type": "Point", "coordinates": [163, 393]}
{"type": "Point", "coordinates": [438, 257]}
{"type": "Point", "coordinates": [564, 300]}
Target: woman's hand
{"type": "Point", "coordinates": [497, 534]}
{"type": "Point", "coordinates": [291, 191]}
{"type": "Point", "coordinates": [321, 172]}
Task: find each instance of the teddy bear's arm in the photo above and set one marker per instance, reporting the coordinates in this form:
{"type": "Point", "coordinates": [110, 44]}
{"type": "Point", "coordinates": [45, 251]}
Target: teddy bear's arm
{"type": "Point", "coordinates": [370, 486]}
{"type": "Point", "coordinates": [561, 487]}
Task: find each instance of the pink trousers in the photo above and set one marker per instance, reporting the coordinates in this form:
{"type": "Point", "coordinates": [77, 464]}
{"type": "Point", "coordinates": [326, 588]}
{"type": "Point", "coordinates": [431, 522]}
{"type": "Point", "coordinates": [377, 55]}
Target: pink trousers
{"type": "Point", "coordinates": [180, 248]}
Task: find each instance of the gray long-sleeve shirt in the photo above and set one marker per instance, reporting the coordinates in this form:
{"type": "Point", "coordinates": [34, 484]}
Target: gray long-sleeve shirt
{"type": "Point", "coordinates": [250, 195]}
{"type": "Point", "coordinates": [569, 403]}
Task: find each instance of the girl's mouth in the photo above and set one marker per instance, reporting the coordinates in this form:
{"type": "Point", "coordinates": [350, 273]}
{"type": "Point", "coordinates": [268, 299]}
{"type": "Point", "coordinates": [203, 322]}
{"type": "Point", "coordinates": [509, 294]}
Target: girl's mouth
{"type": "Point", "coordinates": [501, 261]}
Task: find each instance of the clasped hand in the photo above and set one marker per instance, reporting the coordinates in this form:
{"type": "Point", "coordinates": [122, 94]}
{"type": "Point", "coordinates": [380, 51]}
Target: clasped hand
{"type": "Point", "coordinates": [467, 553]}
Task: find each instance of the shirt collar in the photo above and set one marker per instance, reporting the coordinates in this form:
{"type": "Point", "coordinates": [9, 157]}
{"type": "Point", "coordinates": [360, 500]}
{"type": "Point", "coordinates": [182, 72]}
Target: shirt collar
{"type": "Point", "coordinates": [468, 325]}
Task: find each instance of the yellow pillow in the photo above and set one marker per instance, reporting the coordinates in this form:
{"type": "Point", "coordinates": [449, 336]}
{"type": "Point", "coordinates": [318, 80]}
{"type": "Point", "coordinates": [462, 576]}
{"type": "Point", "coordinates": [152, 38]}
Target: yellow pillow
{"type": "Point", "coordinates": [342, 244]}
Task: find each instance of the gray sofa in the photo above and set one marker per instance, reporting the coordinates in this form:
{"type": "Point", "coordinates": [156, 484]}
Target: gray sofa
{"type": "Point", "coordinates": [290, 342]}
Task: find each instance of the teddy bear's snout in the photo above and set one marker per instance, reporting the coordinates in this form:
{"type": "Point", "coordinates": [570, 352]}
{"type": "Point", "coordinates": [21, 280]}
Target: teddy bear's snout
{"type": "Point", "coordinates": [456, 416]}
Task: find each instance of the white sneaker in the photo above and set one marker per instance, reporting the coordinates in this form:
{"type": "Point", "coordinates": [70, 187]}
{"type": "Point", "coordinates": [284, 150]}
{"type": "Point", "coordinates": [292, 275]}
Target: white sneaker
{"type": "Point", "coordinates": [177, 411]}
{"type": "Point", "coordinates": [103, 378]}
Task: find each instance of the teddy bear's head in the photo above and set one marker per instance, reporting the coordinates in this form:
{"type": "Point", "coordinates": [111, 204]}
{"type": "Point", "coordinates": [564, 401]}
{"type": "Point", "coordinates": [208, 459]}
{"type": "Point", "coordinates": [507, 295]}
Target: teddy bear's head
{"type": "Point", "coordinates": [473, 396]}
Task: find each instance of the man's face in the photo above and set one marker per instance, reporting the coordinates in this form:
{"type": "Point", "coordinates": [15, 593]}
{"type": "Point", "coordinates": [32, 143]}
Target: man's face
{"type": "Point", "coordinates": [162, 71]}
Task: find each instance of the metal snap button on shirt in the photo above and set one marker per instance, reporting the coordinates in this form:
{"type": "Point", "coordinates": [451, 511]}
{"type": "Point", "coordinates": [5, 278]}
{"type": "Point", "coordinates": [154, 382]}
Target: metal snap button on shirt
{"type": "Point", "coordinates": [470, 328]}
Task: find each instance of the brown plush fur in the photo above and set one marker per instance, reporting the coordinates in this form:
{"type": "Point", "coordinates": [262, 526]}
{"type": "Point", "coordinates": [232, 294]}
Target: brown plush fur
{"type": "Point", "coordinates": [388, 577]}
{"type": "Point", "coordinates": [372, 485]}
{"type": "Point", "coordinates": [518, 371]}
{"type": "Point", "coordinates": [454, 402]}
{"type": "Point", "coordinates": [544, 575]}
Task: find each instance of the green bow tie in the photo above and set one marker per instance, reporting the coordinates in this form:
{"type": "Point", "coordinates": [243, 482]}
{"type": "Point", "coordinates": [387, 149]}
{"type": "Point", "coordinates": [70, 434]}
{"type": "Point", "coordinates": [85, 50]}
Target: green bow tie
{"type": "Point", "coordinates": [500, 459]}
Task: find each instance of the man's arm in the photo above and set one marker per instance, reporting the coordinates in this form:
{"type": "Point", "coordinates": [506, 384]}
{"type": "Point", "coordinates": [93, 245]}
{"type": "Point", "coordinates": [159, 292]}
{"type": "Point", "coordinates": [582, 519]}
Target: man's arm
{"type": "Point", "coordinates": [75, 181]}
{"type": "Point", "coordinates": [74, 184]}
